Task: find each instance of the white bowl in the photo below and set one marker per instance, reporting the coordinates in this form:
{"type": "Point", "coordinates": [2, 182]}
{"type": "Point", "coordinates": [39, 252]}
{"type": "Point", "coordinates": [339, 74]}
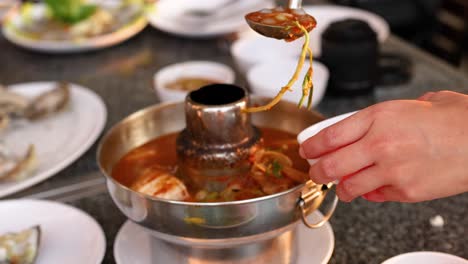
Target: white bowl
{"type": "Point", "coordinates": [201, 69]}
{"type": "Point", "coordinates": [268, 77]}
{"type": "Point", "coordinates": [315, 128]}
{"type": "Point", "coordinates": [253, 49]}
{"type": "Point", "coordinates": [426, 257]}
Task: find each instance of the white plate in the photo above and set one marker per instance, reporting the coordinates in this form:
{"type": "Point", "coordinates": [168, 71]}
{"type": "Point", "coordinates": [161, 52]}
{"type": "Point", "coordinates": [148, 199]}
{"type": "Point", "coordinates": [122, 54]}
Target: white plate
{"type": "Point", "coordinates": [425, 257]}
{"type": "Point", "coordinates": [68, 235]}
{"type": "Point", "coordinates": [135, 246]}
{"type": "Point", "coordinates": [168, 16]}
{"type": "Point", "coordinates": [325, 15]}
{"type": "Point", "coordinates": [50, 46]}
{"type": "Point", "coordinates": [59, 139]}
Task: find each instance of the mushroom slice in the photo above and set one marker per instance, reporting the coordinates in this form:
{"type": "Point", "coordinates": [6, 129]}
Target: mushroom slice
{"type": "Point", "coordinates": [14, 168]}
{"type": "Point", "coordinates": [160, 184]}
{"type": "Point", "coordinates": [21, 247]}
{"type": "Point", "coordinates": [48, 102]}
{"type": "Point", "coordinates": [12, 103]}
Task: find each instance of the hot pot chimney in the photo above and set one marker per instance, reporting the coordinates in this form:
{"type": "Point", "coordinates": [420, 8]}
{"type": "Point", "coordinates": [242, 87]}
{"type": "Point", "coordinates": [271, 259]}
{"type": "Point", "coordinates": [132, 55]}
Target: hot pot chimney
{"type": "Point", "coordinates": [218, 138]}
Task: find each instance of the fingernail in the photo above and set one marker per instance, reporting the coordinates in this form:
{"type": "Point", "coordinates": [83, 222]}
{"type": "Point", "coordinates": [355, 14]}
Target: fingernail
{"type": "Point", "coordinates": [301, 153]}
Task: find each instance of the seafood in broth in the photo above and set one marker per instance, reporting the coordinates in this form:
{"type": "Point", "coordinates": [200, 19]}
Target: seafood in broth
{"type": "Point", "coordinates": [158, 183]}
{"type": "Point", "coordinates": [152, 169]}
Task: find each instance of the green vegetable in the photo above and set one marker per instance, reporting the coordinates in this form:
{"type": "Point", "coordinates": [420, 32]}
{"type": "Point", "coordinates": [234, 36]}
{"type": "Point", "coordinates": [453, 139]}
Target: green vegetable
{"type": "Point", "coordinates": [307, 89]}
{"type": "Point", "coordinates": [70, 11]}
{"type": "Point", "coordinates": [276, 169]}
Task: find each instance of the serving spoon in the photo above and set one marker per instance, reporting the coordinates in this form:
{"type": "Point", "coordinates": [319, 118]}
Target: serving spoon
{"type": "Point", "coordinates": [275, 31]}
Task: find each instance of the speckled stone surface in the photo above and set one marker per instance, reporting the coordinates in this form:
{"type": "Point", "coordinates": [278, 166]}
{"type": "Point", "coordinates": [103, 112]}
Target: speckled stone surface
{"type": "Point", "coordinates": [122, 76]}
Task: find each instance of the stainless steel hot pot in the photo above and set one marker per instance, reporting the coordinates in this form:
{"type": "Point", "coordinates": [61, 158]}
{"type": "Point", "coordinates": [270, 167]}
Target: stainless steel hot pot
{"type": "Point", "coordinates": [209, 224]}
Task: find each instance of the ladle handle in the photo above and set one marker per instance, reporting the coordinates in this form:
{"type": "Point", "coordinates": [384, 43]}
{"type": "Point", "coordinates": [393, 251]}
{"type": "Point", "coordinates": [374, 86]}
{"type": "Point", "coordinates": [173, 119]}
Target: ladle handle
{"type": "Point", "coordinates": [326, 217]}
{"type": "Point", "coordinates": [295, 4]}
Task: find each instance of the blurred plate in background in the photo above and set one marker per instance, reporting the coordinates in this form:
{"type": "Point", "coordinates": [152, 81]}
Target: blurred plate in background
{"type": "Point", "coordinates": [15, 21]}
{"type": "Point", "coordinates": [59, 139]}
{"type": "Point", "coordinates": [174, 16]}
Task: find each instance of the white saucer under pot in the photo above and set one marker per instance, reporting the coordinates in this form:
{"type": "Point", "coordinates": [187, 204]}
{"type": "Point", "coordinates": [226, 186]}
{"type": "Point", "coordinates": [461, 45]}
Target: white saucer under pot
{"type": "Point", "coordinates": [135, 245]}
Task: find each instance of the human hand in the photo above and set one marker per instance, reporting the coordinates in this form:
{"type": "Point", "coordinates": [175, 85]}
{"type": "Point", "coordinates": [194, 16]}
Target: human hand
{"type": "Point", "coordinates": [405, 150]}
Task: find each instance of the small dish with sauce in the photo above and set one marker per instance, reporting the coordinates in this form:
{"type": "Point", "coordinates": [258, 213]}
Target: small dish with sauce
{"type": "Point", "coordinates": [175, 81]}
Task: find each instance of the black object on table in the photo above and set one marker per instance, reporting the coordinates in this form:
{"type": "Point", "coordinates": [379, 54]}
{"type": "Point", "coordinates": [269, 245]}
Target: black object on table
{"type": "Point", "coordinates": [350, 51]}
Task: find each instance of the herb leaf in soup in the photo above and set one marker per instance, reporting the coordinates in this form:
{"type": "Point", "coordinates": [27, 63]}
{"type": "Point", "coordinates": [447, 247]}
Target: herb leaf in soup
{"type": "Point", "coordinates": [70, 11]}
{"type": "Point", "coordinates": [276, 169]}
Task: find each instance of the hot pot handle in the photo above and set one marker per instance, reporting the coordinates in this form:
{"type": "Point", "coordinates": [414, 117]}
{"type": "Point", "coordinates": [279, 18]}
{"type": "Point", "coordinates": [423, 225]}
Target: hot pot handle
{"type": "Point", "coordinates": [303, 206]}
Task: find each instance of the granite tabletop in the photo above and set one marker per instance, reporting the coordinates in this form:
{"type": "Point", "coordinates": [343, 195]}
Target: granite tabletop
{"type": "Point", "coordinates": [122, 75]}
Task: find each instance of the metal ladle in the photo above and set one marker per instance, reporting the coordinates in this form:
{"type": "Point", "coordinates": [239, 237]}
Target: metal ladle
{"type": "Point", "coordinates": [272, 31]}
